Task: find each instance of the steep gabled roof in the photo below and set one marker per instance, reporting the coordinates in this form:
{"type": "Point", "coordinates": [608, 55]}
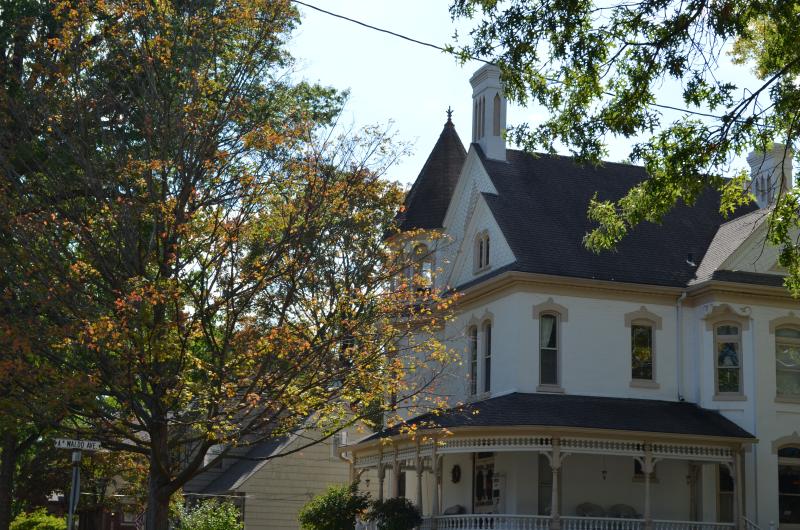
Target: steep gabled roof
{"type": "Point", "coordinates": [729, 237]}
{"type": "Point", "coordinates": [541, 208]}
{"type": "Point", "coordinates": [427, 201]}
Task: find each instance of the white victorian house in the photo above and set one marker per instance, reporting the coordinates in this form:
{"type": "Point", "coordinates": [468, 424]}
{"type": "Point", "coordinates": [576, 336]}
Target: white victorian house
{"type": "Point", "coordinates": [654, 387]}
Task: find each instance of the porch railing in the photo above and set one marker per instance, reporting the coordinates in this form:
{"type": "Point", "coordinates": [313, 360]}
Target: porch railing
{"type": "Point", "coordinates": [600, 523]}
{"type": "Point", "coordinates": [489, 522]}
{"type": "Point", "coordinates": [660, 524]}
{"type": "Point", "coordinates": [542, 522]}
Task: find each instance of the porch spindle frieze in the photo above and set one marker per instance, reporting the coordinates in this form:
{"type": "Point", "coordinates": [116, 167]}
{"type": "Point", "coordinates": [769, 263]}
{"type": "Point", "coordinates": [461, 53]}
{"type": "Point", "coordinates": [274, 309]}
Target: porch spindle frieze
{"type": "Point", "coordinates": [596, 446]}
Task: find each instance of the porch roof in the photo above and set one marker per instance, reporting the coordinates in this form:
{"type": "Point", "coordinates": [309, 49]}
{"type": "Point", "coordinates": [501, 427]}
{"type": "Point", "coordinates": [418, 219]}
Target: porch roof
{"type": "Point", "coordinates": [574, 411]}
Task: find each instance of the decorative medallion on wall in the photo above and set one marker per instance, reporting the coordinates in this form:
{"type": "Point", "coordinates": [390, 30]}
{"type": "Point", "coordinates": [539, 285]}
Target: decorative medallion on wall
{"type": "Point", "coordinates": [455, 474]}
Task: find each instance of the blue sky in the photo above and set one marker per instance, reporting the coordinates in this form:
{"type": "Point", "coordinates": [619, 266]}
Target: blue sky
{"type": "Point", "coordinates": [394, 80]}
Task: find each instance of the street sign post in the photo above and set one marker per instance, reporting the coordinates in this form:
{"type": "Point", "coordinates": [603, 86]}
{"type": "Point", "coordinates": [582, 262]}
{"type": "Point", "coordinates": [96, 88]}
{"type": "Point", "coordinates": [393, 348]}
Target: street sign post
{"type": "Point", "coordinates": [77, 447]}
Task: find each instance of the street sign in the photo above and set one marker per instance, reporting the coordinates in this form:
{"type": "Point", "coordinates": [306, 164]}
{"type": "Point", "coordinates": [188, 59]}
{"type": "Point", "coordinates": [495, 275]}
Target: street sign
{"type": "Point", "coordinates": [77, 445]}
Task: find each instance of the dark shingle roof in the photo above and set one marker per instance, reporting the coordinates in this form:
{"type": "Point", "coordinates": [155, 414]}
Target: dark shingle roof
{"type": "Point", "coordinates": [243, 467]}
{"type": "Point", "coordinates": [541, 208]}
{"type": "Point", "coordinates": [727, 239]}
{"type": "Point", "coordinates": [427, 201]}
{"type": "Point", "coordinates": [566, 410]}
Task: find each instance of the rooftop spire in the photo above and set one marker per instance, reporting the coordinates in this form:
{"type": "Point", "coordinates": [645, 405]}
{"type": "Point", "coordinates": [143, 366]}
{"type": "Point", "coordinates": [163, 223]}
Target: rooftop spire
{"type": "Point", "coordinates": [449, 115]}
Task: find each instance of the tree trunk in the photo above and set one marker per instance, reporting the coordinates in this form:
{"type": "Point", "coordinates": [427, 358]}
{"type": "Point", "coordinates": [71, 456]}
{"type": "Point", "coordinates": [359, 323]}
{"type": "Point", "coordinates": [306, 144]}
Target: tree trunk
{"type": "Point", "coordinates": [159, 488]}
{"type": "Point", "coordinates": [157, 516]}
{"type": "Point", "coordinates": [8, 462]}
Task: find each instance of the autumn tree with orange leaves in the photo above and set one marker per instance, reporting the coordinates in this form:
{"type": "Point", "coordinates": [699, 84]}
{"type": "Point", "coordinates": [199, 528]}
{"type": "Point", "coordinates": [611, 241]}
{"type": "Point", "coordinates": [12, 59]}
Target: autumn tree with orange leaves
{"type": "Point", "coordinates": [219, 256]}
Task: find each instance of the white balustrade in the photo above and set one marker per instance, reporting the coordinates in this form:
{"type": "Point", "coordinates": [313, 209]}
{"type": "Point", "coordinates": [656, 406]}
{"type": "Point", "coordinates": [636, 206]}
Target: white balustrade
{"type": "Point", "coordinates": [691, 525]}
{"type": "Point", "coordinates": [600, 523]}
{"type": "Point", "coordinates": [542, 522]}
{"type": "Point", "coordinates": [491, 522]}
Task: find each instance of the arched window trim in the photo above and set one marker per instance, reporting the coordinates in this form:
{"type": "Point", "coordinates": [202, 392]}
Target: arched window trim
{"type": "Point", "coordinates": [791, 320]}
{"type": "Point", "coordinates": [550, 306]}
{"type": "Point", "coordinates": [723, 312]}
{"type": "Point", "coordinates": [643, 315]}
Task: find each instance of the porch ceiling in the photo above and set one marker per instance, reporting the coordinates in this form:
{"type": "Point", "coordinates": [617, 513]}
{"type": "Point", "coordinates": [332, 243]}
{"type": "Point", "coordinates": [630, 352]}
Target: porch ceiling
{"type": "Point", "coordinates": [581, 412]}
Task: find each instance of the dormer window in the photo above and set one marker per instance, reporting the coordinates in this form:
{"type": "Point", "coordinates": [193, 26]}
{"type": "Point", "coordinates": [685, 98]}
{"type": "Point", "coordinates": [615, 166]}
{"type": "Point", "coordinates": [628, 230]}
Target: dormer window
{"type": "Point", "coordinates": [482, 251]}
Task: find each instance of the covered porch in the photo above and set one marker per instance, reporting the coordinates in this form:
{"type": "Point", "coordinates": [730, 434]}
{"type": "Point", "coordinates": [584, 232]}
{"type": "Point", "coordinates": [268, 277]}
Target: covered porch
{"type": "Point", "coordinates": [572, 477]}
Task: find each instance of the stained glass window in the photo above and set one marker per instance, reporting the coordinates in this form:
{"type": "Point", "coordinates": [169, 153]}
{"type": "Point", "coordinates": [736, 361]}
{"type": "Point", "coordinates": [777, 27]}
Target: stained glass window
{"type": "Point", "coordinates": [728, 359]}
{"type": "Point", "coordinates": [787, 361]}
{"type": "Point", "coordinates": [642, 352]}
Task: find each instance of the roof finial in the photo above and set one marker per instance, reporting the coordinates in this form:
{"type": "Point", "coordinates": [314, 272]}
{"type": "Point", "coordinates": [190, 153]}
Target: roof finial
{"type": "Point", "coordinates": [449, 114]}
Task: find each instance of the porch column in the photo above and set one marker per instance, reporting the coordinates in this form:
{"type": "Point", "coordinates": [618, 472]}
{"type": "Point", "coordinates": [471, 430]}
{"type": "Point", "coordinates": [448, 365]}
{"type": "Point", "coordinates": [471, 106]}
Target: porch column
{"type": "Point", "coordinates": [395, 476]}
{"type": "Point", "coordinates": [418, 467]}
{"type": "Point", "coordinates": [381, 474]}
{"type": "Point", "coordinates": [436, 476]}
{"type": "Point", "coordinates": [555, 465]}
{"type": "Point", "coordinates": [647, 468]}
{"type": "Point", "coordinates": [738, 490]}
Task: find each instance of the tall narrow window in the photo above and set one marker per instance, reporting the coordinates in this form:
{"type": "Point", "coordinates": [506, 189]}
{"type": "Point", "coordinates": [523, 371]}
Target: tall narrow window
{"type": "Point", "coordinates": [482, 251]}
{"type": "Point", "coordinates": [548, 349]}
{"type": "Point", "coordinates": [787, 361]}
{"type": "Point", "coordinates": [473, 360]}
{"type": "Point", "coordinates": [496, 115]}
{"type": "Point", "coordinates": [545, 485]}
{"type": "Point", "coordinates": [487, 356]}
{"type": "Point", "coordinates": [726, 499]}
{"type": "Point", "coordinates": [728, 349]}
{"type": "Point", "coordinates": [642, 351]}
{"type": "Point", "coordinates": [423, 265]}
{"type": "Point", "coordinates": [789, 485]}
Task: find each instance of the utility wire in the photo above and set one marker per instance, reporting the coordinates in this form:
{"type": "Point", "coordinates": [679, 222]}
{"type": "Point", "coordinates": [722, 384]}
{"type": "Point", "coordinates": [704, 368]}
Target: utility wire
{"type": "Point", "coordinates": [474, 58]}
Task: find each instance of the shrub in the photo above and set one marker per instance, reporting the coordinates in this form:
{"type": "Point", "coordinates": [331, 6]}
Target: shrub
{"type": "Point", "coordinates": [336, 509]}
{"type": "Point", "coordinates": [395, 514]}
{"type": "Point", "coordinates": [38, 520]}
{"type": "Point", "coordinates": [210, 515]}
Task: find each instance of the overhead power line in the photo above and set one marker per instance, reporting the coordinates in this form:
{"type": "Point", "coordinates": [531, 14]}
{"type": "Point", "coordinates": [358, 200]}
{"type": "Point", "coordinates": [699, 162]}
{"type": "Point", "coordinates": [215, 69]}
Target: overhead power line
{"type": "Point", "coordinates": [474, 58]}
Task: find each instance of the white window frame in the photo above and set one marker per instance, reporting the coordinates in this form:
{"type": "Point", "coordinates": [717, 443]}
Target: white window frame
{"type": "Point", "coordinates": [486, 329]}
{"type": "Point", "coordinates": [789, 341]}
{"type": "Point", "coordinates": [718, 339]}
{"type": "Point", "coordinates": [643, 317]}
{"type": "Point", "coordinates": [788, 462]}
{"type": "Point", "coordinates": [549, 307]}
{"type": "Point", "coordinates": [472, 359]}
{"type": "Point", "coordinates": [482, 252]}
{"type": "Point", "coordinates": [422, 256]}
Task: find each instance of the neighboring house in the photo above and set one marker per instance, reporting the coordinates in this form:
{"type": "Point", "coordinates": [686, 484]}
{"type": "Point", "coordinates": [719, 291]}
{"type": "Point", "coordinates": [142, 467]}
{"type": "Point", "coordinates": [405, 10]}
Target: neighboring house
{"type": "Point", "coordinates": [270, 491]}
{"type": "Point", "coordinates": [655, 386]}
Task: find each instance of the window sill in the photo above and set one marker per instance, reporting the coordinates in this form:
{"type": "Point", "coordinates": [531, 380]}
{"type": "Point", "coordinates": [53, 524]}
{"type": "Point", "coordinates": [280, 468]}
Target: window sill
{"type": "Point", "coordinates": [552, 389]}
{"type": "Point", "coordinates": [477, 271]}
{"type": "Point", "coordinates": [644, 383]}
{"type": "Point", "coordinates": [787, 399]}
{"type": "Point", "coordinates": [729, 397]}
